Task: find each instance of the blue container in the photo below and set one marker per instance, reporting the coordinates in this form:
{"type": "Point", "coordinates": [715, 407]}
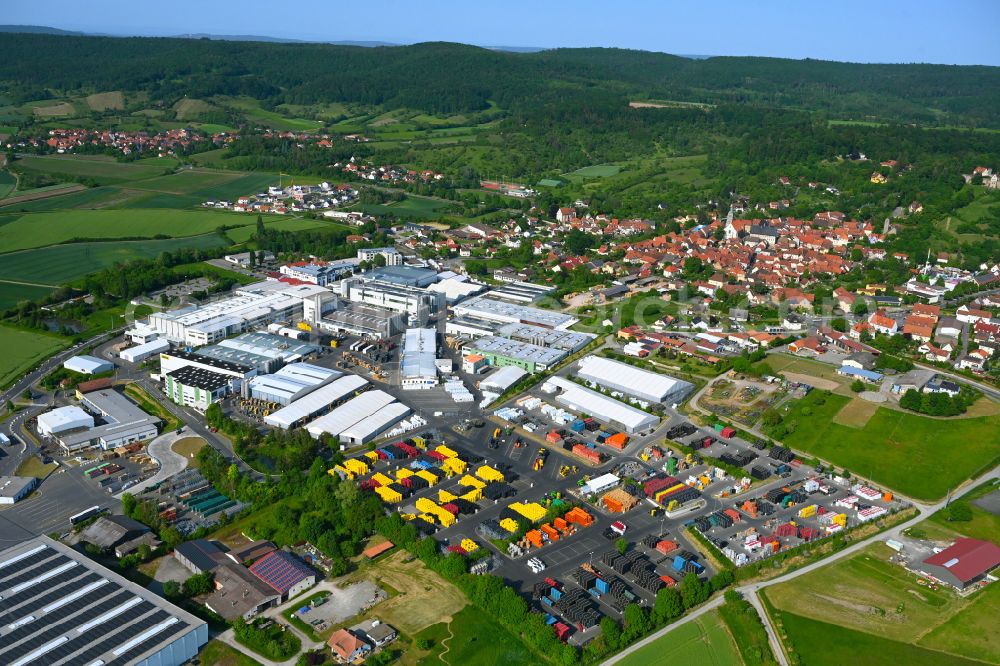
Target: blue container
{"type": "Point", "coordinates": [594, 592]}
{"type": "Point", "coordinates": [679, 563]}
{"type": "Point", "coordinates": [578, 426]}
{"type": "Point", "coordinates": [546, 601]}
{"type": "Point", "coordinates": [550, 619]}
{"type": "Point", "coordinates": [555, 593]}
{"type": "Point", "coordinates": [387, 453]}
{"type": "Point", "coordinates": [602, 585]}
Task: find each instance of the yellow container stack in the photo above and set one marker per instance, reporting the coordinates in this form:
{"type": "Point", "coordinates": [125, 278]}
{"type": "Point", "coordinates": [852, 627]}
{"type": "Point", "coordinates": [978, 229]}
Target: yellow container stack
{"type": "Point", "coordinates": [488, 474]}
{"type": "Point", "coordinates": [532, 511]}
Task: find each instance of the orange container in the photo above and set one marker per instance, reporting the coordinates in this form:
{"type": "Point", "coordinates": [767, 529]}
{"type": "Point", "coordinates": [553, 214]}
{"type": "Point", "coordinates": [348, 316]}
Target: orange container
{"type": "Point", "coordinates": [535, 538]}
{"type": "Point", "coordinates": [887, 497]}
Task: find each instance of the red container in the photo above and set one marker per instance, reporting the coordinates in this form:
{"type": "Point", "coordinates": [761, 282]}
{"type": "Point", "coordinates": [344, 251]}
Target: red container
{"type": "Point", "coordinates": [450, 508]}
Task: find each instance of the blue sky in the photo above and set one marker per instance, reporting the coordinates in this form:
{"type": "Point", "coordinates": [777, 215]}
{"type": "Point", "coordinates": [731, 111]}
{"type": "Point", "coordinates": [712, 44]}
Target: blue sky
{"type": "Point", "coordinates": [951, 32]}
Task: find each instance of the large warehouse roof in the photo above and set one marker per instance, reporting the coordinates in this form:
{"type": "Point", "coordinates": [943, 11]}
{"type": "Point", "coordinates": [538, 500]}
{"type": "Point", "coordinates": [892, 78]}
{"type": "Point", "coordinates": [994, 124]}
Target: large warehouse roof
{"type": "Point", "coordinates": [291, 382]}
{"type": "Point", "coordinates": [368, 428]}
{"type": "Point", "coordinates": [64, 418]}
{"type": "Point", "coordinates": [631, 380]}
{"type": "Point", "coordinates": [601, 407]}
{"type": "Point", "coordinates": [60, 607]}
{"type": "Point", "coordinates": [315, 402]}
{"type": "Point", "coordinates": [87, 365]}
{"type": "Point", "coordinates": [419, 352]}
{"type": "Point", "coordinates": [494, 309]}
{"type": "Point", "coordinates": [350, 413]}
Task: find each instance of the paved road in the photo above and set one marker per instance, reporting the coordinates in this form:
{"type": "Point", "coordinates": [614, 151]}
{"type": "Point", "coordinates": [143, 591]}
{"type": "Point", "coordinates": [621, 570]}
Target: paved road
{"type": "Point", "coordinates": [170, 462]}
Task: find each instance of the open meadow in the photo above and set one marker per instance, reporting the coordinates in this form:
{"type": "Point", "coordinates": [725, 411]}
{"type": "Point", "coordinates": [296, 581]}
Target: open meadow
{"type": "Point", "coordinates": [23, 350]}
{"type": "Point", "coordinates": [918, 456]}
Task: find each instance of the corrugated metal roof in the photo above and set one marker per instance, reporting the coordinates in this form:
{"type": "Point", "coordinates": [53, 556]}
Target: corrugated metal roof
{"type": "Point", "coordinates": [603, 408]}
{"type": "Point", "coordinates": [314, 402]}
{"type": "Point", "coordinates": [348, 414]}
{"type": "Point", "coordinates": [381, 420]}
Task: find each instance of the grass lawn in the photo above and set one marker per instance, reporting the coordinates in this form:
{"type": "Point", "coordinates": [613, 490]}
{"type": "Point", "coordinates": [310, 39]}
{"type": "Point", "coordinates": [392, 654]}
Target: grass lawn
{"type": "Point", "coordinates": [12, 293]}
{"type": "Point", "coordinates": [42, 229]}
{"type": "Point", "coordinates": [189, 448]}
{"type": "Point", "coordinates": [984, 524]}
{"type": "Point", "coordinates": [65, 263]}
{"type": "Point", "coordinates": [474, 639]}
{"type": "Point", "coordinates": [151, 406]}
{"type": "Point", "coordinates": [898, 449]}
{"type": "Point", "coordinates": [97, 167]}
{"type": "Point", "coordinates": [217, 653]}
{"type": "Point", "coordinates": [972, 632]}
{"type": "Point", "coordinates": [704, 640]}
{"type": "Point", "coordinates": [33, 467]}
{"type": "Point", "coordinates": [24, 350]}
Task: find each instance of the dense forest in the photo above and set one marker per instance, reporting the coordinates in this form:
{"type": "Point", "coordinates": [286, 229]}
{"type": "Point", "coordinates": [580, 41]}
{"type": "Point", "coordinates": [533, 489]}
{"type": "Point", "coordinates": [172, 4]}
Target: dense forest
{"type": "Point", "coordinates": [450, 78]}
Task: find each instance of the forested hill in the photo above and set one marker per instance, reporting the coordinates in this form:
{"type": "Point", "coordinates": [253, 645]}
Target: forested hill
{"type": "Point", "coordinates": [447, 78]}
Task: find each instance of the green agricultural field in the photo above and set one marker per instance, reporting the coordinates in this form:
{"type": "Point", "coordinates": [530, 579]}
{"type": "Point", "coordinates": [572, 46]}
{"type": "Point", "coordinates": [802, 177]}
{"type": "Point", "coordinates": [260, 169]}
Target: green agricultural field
{"type": "Point", "coordinates": [7, 183]}
{"type": "Point", "coordinates": [96, 167]}
{"type": "Point", "coordinates": [11, 293]}
{"type": "Point", "coordinates": [242, 234]}
{"type": "Point", "coordinates": [65, 263]}
{"type": "Point", "coordinates": [901, 450]}
{"type": "Point", "coordinates": [96, 197]}
{"type": "Point", "coordinates": [211, 158]}
{"type": "Point", "coordinates": [187, 181]}
{"type": "Point", "coordinates": [415, 207]}
{"type": "Point", "coordinates": [43, 229]}
{"type": "Point", "coordinates": [702, 641]}
{"type": "Point", "coordinates": [822, 644]}
{"type": "Point", "coordinates": [23, 350]}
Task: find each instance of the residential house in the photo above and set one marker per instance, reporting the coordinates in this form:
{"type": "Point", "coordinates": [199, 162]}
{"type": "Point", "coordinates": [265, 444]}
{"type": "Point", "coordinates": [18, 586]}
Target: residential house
{"type": "Point", "coordinates": [347, 647]}
{"type": "Point", "coordinates": [882, 323]}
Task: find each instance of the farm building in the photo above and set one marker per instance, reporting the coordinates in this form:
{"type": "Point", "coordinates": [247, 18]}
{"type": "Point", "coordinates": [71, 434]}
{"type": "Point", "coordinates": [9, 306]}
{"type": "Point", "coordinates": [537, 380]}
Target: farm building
{"type": "Point", "coordinates": [284, 573]}
{"type": "Point", "coordinates": [238, 593]}
{"type": "Point", "coordinates": [88, 365]}
{"type": "Point", "coordinates": [71, 609]}
{"type": "Point", "coordinates": [869, 376]}
{"type": "Point", "coordinates": [632, 381]}
{"type": "Point", "coordinates": [601, 407]}
{"type": "Point", "coordinates": [962, 564]}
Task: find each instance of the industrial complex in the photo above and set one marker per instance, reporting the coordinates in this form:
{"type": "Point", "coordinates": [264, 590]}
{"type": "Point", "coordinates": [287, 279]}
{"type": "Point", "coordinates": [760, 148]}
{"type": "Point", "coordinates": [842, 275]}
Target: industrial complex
{"type": "Point", "coordinates": [60, 607]}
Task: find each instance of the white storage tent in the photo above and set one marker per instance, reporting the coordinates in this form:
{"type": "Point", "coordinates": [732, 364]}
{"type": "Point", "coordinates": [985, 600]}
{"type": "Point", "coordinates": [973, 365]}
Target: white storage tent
{"type": "Point", "coordinates": [370, 427]}
{"type": "Point", "coordinates": [315, 402]}
{"type": "Point", "coordinates": [348, 414]}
